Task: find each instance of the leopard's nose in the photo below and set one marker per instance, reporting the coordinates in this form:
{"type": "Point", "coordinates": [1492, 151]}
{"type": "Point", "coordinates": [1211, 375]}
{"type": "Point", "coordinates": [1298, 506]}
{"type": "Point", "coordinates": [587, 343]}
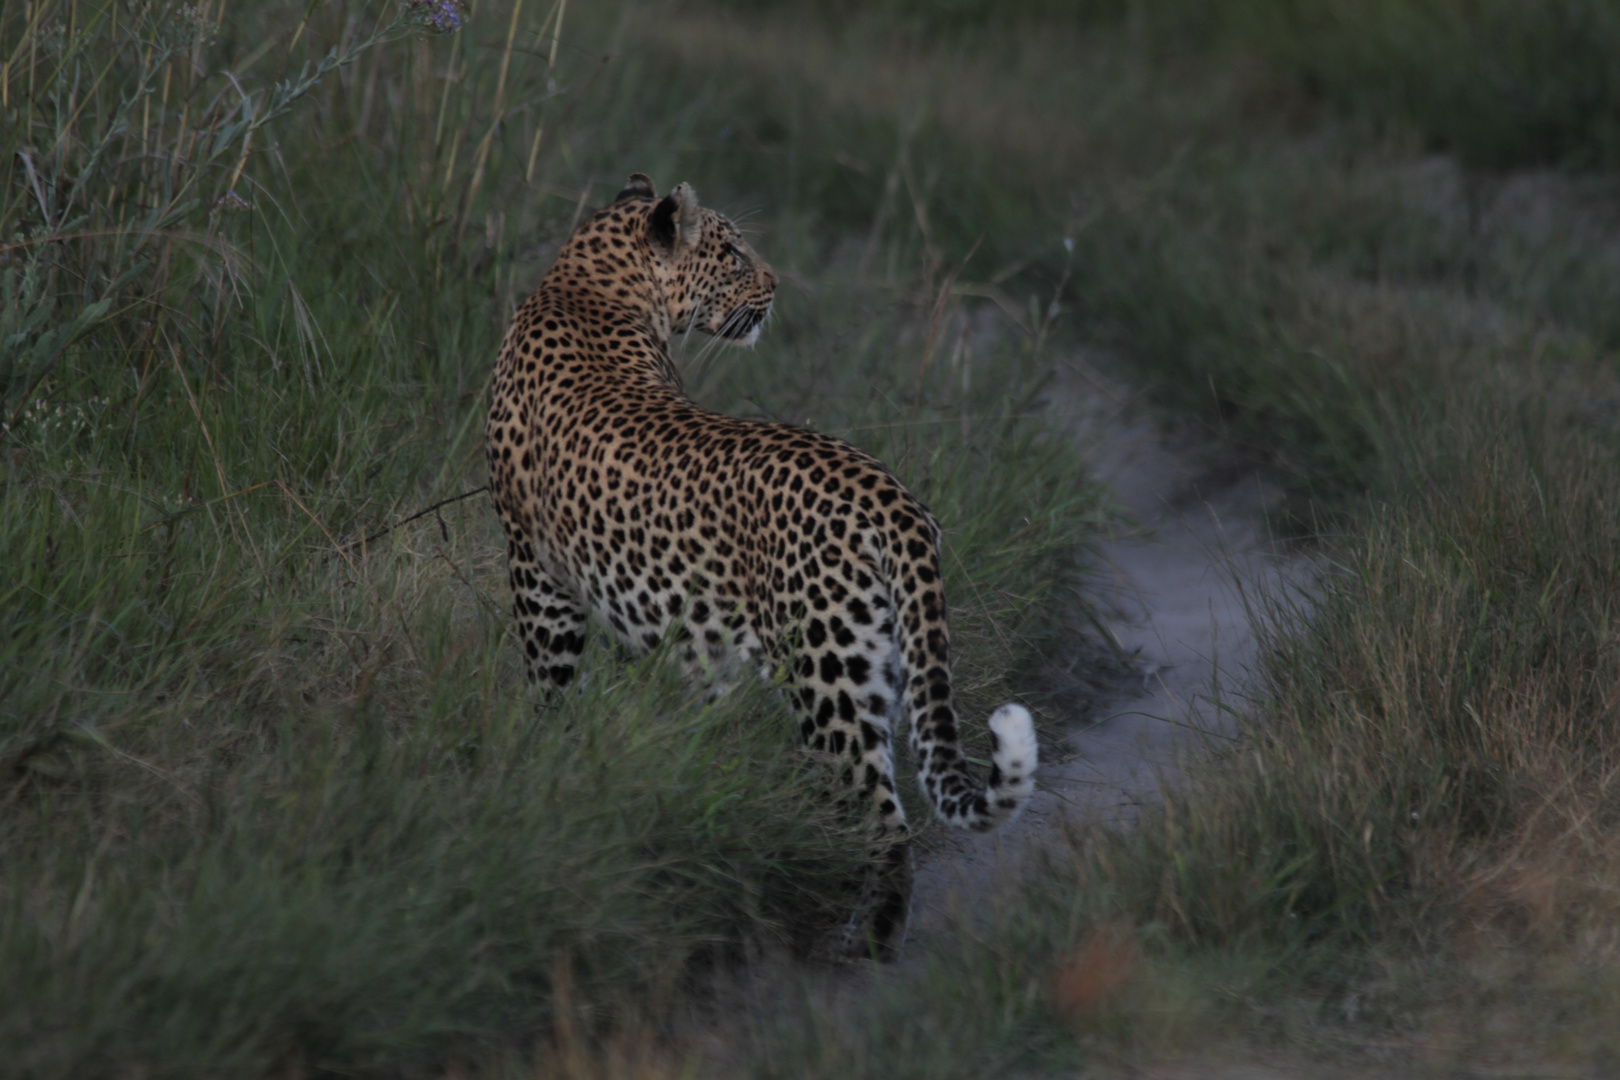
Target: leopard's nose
{"type": "Point", "coordinates": [770, 276]}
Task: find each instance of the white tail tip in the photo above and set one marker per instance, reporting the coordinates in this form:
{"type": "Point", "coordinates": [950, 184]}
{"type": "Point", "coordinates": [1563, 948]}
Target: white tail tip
{"type": "Point", "coordinates": [1016, 756]}
{"type": "Point", "coordinates": [1017, 752]}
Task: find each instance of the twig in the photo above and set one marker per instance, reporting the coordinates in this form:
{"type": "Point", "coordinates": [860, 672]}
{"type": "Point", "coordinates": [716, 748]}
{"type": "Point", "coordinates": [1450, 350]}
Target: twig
{"type": "Point", "coordinates": [415, 516]}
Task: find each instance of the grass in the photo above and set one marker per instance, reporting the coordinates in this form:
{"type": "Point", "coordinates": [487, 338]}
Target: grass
{"type": "Point", "coordinates": [1406, 865]}
{"type": "Point", "coordinates": [274, 799]}
{"type": "Point", "coordinates": [343, 890]}
{"type": "Point", "coordinates": [1414, 831]}
{"type": "Point", "coordinates": [1417, 829]}
{"type": "Point", "coordinates": [1500, 84]}
{"type": "Point", "coordinates": [236, 710]}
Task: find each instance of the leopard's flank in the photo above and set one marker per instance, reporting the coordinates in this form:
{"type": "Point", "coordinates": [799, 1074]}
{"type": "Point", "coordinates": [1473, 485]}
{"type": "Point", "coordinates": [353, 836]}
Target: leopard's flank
{"type": "Point", "coordinates": [750, 542]}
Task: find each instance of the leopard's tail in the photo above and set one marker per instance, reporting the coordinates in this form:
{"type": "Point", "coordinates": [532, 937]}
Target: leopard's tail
{"type": "Point", "coordinates": [957, 798]}
{"type": "Point", "coordinates": [944, 773]}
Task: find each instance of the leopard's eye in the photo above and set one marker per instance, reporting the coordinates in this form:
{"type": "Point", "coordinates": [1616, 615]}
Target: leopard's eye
{"type": "Point", "coordinates": [736, 254]}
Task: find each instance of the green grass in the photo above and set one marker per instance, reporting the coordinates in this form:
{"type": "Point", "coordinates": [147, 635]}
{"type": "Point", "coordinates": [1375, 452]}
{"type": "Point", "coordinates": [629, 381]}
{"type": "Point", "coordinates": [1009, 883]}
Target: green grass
{"type": "Point", "coordinates": [1500, 83]}
{"type": "Point", "coordinates": [274, 798]}
{"type": "Point", "coordinates": [364, 886]}
{"type": "Point", "coordinates": [1414, 831]}
{"type": "Point", "coordinates": [1407, 860]}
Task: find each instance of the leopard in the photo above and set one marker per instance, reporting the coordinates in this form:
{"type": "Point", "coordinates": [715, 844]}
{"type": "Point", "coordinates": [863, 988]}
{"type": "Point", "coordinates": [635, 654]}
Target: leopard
{"type": "Point", "coordinates": [743, 542]}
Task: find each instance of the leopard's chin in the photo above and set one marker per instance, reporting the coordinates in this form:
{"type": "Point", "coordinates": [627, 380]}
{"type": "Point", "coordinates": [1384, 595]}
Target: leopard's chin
{"type": "Point", "coordinates": [742, 326]}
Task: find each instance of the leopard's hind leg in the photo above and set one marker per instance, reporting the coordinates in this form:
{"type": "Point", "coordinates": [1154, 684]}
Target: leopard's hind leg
{"type": "Point", "coordinates": [844, 685]}
{"type": "Point", "coordinates": [550, 619]}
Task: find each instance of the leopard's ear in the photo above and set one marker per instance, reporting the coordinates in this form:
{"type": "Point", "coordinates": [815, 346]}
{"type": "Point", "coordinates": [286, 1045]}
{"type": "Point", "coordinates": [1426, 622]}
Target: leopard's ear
{"type": "Point", "coordinates": [639, 186]}
{"type": "Point", "coordinates": [675, 224]}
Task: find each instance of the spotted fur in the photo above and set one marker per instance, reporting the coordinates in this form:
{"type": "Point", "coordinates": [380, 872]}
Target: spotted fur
{"type": "Point", "coordinates": [751, 542]}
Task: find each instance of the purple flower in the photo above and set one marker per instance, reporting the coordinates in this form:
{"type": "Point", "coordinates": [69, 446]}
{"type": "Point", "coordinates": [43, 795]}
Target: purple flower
{"type": "Point", "coordinates": [438, 16]}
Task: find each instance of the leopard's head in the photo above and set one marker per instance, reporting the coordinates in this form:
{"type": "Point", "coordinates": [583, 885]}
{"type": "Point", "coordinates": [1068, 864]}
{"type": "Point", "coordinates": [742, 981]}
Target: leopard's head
{"type": "Point", "coordinates": [713, 281]}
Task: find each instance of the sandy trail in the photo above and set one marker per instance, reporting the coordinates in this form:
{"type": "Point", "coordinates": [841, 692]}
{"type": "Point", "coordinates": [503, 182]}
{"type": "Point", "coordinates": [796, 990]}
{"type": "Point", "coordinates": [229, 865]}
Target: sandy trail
{"type": "Point", "coordinates": [1182, 585]}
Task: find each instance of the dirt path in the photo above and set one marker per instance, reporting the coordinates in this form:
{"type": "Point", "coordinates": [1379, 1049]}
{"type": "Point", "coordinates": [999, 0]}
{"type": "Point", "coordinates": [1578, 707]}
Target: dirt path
{"type": "Point", "coordinates": [1181, 583]}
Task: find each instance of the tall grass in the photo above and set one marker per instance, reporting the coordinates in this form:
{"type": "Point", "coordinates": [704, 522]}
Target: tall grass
{"type": "Point", "coordinates": [1502, 84]}
{"type": "Point", "coordinates": [273, 798]}
{"type": "Point", "coordinates": [1276, 278]}
{"type": "Point", "coordinates": [1414, 831]}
